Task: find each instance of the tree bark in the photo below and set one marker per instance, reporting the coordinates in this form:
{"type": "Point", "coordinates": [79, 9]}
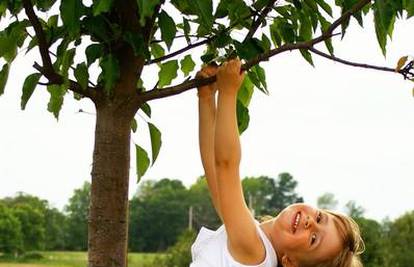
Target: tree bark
{"type": "Point", "coordinates": [108, 215]}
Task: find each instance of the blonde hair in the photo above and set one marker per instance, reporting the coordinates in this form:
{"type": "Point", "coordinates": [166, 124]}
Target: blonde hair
{"type": "Point", "coordinates": [353, 245]}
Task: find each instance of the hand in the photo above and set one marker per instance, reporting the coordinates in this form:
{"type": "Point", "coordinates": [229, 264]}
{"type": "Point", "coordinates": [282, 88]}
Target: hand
{"type": "Point", "coordinates": [210, 89]}
{"type": "Point", "coordinates": [229, 76]}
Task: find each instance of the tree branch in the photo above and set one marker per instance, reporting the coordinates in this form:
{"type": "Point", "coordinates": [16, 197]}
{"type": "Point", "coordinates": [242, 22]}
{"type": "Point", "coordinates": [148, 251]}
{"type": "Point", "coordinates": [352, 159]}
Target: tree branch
{"type": "Point", "coordinates": [90, 92]}
{"type": "Point", "coordinates": [191, 46]}
{"type": "Point", "coordinates": [366, 66]}
{"type": "Point", "coordinates": [197, 82]}
{"type": "Point", "coordinates": [48, 70]}
{"type": "Point", "coordinates": [182, 50]}
{"type": "Point", "coordinates": [259, 20]}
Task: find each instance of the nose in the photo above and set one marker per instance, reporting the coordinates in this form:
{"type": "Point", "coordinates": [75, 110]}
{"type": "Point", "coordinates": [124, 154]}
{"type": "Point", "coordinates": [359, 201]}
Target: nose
{"type": "Point", "coordinates": [309, 222]}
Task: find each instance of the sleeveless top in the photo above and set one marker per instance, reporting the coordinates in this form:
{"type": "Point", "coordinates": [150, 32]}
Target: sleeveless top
{"type": "Point", "coordinates": [210, 250]}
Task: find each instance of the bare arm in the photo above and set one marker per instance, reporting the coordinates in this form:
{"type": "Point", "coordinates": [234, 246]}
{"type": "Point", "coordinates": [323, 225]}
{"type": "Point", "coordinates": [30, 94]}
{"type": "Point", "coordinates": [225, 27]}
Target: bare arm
{"type": "Point", "coordinates": [207, 117]}
{"type": "Point", "coordinates": [245, 244]}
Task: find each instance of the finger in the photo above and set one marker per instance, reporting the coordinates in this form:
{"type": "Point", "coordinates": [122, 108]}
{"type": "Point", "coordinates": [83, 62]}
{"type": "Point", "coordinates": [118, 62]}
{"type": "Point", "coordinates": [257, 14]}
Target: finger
{"type": "Point", "coordinates": [201, 74]}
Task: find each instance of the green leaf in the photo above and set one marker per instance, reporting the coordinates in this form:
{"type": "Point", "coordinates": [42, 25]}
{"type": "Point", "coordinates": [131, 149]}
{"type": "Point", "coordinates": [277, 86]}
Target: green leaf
{"type": "Point", "coordinates": [287, 32]}
{"type": "Point", "coordinates": [257, 76]}
{"type": "Point", "coordinates": [98, 29]}
{"type": "Point", "coordinates": [409, 6]}
{"type": "Point", "coordinates": [8, 47]}
{"type": "Point", "coordinates": [266, 44]}
{"type": "Point", "coordinates": [101, 6]}
{"type": "Point", "coordinates": [3, 7]}
{"type": "Point", "coordinates": [157, 51]}
{"type": "Point", "coordinates": [82, 75]}
{"type": "Point", "coordinates": [222, 9]}
{"type": "Point", "coordinates": [110, 72]}
{"type": "Point", "coordinates": [93, 52]}
{"type": "Point", "coordinates": [187, 30]}
{"type": "Point", "coordinates": [249, 49]}
{"type": "Point", "coordinates": [28, 87]}
{"type": "Point", "coordinates": [167, 73]}
{"type": "Point", "coordinates": [274, 34]}
{"type": "Point", "coordinates": [259, 4]}
{"type": "Point", "coordinates": [204, 10]}
{"type": "Point", "coordinates": [136, 41]}
{"type": "Point", "coordinates": [155, 135]}
{"type": "Point", "coordinates": [328, 42]}
{"type": "Point", "coordinates": [45, 5]}
{"type": "Point", "coordinates": [134, 125]}
{"type": "Point", "coordinates": [146, 9]}
{"type": "Point", "coordinates": [207, 58]}
{"type": "Point", "coordinates": [142, 161]}
{"type": "Point", "coordinates": [305, 29]}
{"type": "Point", "coordinates": [146, 109]}
{"type": "Point", "coordinates": [71, 11]}
{"type": "Point", "coordinates": [57, 93]}
{"type": "Point", "coordinates": [245, 92]}
{"type": "Point", "coordinates": [307, 55]}
{"type": "Point", "coordinates": [167, 27]}
{"type": "Point", "coordinates": [243, 117]}
{"type": "Point", "coordinates": [326, 7]}
{"type": "Point", "coordinates": [4, 74]}
{"type": "Point", "coordinates": [384, 20]}
{"type": "Point", "coordinates": [187, 65]}
{"type": "Point", "coordinates": [67, 61]}
{"type": "Point", "coordinates": [312, 4]}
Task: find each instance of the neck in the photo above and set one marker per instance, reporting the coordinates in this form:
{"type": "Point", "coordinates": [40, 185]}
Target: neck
{"type": "Point", "coordinates": [267, 227]}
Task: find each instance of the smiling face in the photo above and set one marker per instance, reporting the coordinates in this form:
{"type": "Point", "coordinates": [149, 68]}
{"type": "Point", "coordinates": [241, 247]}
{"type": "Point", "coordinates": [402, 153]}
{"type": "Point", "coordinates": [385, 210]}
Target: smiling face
{"type": "Point", "coordinates": [304, 236]}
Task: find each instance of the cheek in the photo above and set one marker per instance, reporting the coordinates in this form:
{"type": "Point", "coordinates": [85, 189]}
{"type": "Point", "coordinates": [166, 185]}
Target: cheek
{"type": "Point", "coordinates": [294, 243]}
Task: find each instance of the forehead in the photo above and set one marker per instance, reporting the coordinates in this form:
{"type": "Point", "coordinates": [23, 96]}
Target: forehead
{"type": "Point", "coordinates": [331, 240]}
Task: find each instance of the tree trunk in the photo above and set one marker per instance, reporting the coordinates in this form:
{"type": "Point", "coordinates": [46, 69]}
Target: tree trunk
{"type": "Point", "coordinates": [108, 215]}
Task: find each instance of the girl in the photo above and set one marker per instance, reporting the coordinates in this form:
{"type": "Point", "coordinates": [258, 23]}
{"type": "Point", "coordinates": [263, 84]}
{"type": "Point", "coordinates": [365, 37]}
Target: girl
{"type": "Point", "coordinates": [300, 236]}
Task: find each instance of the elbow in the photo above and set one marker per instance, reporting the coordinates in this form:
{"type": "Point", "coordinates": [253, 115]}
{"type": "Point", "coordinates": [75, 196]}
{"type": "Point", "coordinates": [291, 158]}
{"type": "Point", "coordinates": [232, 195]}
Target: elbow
{"type": "Point", "coordinates": [227, 163]}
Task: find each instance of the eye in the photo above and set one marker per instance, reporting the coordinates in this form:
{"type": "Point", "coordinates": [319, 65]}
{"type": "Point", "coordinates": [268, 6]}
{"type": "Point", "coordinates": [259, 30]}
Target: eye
{"type": "Point", "coordinates": [313, 238]}
{"type": "Point", "coordinates": [319, 217]}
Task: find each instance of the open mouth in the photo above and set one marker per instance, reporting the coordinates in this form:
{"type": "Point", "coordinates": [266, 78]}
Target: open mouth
{"type": "Point", "coordinates": [295, 221]}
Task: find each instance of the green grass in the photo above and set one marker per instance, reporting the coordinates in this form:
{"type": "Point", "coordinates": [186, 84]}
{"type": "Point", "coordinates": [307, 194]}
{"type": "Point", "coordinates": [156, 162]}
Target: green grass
{"type": "Point", "coordinates": [74, 259]}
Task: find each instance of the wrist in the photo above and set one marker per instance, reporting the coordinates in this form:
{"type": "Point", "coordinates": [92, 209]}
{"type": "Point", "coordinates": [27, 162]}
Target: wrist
{"type": "Point", "coordinates": [205, 95]}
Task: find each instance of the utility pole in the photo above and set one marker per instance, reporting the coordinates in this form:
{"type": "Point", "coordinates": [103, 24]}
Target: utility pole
{"type": "Point", "coordinates": [190, 218]}
{"type": "Point", "coordinates": [251, 205]}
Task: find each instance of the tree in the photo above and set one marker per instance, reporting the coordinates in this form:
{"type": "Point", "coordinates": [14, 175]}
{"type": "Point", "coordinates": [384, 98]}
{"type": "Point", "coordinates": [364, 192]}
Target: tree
{"type": "Point", "coordinates": [128, 36]}
{"type": "Point", "coordinates": [258, 192]}
{"type": "Point", "coordinates": [327, 201]}
{"type": "Point", "coordinates": [373, 235]}
{"type": "Point", "coordinates": [204, 213]}
{"type": "Point", "coordinates": [30, 212]}
{"type": "Point", "coordinates": [11, 239]}
{"type": "Point", "coordinates": [77, 218]}
{"type": "Point", "coordinates": [32, 226]}
{"type": "Point", "coordinates": [354, 210]}
{"type": "Point", "coordinates": [284, 194]}
{"type": "Point", "coordinates": [55, 230]}
{"type": "Point", "coordinates": [158, 215]}
{"type": "Point", "coordinates": [401, 240]}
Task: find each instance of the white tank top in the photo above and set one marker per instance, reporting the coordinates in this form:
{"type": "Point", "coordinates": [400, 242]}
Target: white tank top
{"type": "Point", "coordinates": [210, 250]}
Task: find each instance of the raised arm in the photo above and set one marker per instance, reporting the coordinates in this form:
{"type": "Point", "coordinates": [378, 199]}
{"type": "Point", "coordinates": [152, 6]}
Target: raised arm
{"type": "Point", "coordinates": [244, 244]}
{"type": "Point", "coordinates": [206, 122]}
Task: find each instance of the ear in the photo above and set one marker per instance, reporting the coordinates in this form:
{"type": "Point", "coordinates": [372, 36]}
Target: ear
{"type": "Point", "coordinates": [288, 262]}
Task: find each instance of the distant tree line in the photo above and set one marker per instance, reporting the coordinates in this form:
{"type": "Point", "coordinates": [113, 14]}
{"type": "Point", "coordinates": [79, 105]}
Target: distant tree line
{"type": "Point", "coordinates": [160, 215]}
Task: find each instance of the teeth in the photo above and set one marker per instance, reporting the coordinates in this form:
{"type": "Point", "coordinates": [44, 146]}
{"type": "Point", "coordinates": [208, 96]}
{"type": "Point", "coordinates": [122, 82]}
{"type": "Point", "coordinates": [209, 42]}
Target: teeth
{"type": "Point", "coordinates": [297, 221]}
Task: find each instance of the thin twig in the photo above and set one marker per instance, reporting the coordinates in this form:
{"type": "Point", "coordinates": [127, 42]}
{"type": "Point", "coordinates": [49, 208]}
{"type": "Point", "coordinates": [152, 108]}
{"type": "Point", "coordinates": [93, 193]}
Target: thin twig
{"type": "Point", "coordinates": [354, 64]}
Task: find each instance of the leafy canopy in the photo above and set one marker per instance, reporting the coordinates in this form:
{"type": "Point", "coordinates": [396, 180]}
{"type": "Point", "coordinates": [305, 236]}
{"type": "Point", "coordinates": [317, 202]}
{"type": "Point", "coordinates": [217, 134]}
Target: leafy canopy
{"type": "Point", "coordinates": [252, 30]}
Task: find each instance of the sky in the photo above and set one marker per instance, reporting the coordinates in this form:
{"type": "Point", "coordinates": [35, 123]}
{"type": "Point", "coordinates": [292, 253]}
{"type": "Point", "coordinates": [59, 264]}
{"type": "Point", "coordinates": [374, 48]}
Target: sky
{"type": "Point", "coordinates": [334, 128]}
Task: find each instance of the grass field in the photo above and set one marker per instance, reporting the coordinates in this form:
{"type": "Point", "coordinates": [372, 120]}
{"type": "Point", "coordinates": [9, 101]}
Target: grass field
{"type": "Point", "coordinates": [74, 259]}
